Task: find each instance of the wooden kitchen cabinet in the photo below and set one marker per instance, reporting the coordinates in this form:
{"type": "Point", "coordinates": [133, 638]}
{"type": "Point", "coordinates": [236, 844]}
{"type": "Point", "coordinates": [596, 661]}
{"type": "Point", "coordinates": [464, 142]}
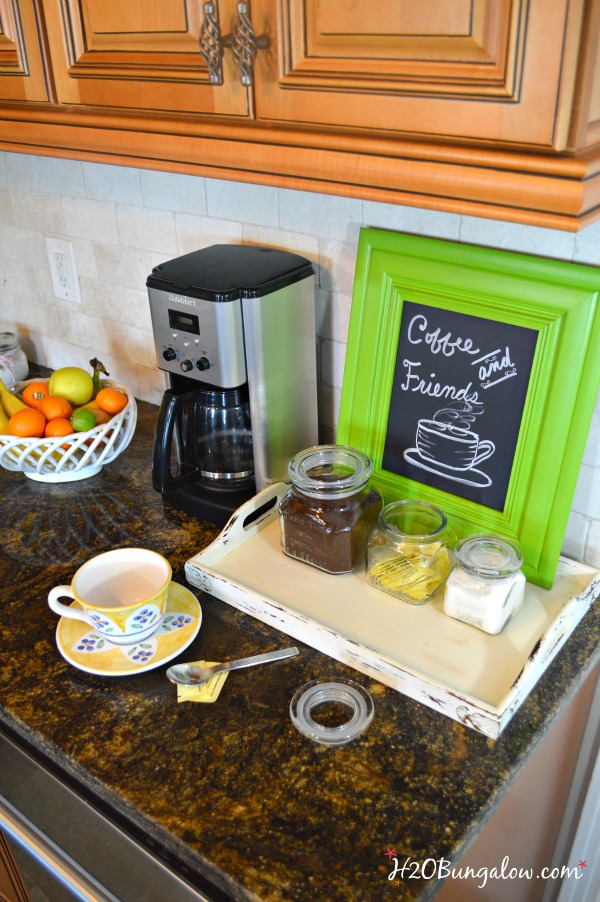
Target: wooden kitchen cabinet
{"type": "Point", "coordinates": [138, 56]}
{"type": "Point", "coordinates": [462, 70]}
{"type": "Point", "coordinates": [488, 107]}
{"type": "Point", "coordinates": [23, 75]}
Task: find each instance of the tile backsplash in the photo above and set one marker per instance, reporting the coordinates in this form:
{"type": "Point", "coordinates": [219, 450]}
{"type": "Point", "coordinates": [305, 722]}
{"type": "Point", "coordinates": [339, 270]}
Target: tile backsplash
{"type": "Point", "coordinates": [124, 221]}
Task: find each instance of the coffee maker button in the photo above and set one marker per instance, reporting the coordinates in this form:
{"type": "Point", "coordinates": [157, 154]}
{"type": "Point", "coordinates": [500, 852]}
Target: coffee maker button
{"type": "Point", "coordinates": [203, 363]}
{"type": "Point", "coordinates": [169, 354]}
{"type": "Point", "coordinates": [186, 365]}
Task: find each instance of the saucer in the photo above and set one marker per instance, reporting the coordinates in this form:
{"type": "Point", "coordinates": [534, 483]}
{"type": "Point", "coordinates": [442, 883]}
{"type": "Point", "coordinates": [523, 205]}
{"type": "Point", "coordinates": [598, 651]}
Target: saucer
{"type": "Point", "coordinates": [86, 649]}
{"type": "Point", "coordinates": [474, 477]}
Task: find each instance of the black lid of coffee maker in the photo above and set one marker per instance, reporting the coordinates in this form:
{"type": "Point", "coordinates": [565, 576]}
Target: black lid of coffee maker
{"type": "Point", "coordinates": [226, 272]}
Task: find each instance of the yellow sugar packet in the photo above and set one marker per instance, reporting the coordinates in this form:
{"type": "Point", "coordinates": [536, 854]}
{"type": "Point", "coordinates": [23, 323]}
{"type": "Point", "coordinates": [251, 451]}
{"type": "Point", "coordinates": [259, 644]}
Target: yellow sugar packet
{"type": "Point", "coordinates": [203, 692]}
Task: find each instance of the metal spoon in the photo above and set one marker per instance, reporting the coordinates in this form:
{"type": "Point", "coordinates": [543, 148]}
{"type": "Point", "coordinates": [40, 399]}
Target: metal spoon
{"type": "Point", "coordinates": [191, 674]}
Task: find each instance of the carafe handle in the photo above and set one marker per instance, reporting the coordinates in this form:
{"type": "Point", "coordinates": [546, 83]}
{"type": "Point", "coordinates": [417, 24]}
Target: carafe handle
{"type": "Point", "coordinates": [171, 406]}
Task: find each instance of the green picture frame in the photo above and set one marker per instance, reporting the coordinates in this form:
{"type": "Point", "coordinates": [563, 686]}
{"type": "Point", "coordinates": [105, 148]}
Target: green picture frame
{"type": "Point", "coordinates": [556, 302]}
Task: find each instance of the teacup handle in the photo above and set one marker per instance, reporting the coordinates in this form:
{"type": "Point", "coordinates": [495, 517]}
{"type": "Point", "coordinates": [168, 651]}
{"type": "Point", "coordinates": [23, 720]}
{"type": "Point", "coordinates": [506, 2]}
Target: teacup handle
{"type": "Point", "coordinates": [485, 450]}
{"type": "Point", "coordinates": [63, 609]}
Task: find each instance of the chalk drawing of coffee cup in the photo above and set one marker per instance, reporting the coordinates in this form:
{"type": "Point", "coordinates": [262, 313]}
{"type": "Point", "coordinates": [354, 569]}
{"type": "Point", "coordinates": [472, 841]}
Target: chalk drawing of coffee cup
{"type": "Point", "coordinates": [448, 446]}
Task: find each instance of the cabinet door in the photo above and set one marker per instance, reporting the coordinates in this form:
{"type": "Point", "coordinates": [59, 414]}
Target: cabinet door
{"type": "Point", "coordinates": [22, 73]}
{"type": "Point", "coordinates": [139, 55]}
{"type": "Point", "coordinates": [489, 70]}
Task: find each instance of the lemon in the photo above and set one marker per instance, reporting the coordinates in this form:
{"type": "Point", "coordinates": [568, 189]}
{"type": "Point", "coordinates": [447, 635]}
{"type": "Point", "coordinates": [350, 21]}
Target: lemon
{"type": "Point", "coordinates": [83, 419]}
{"type": "Point", "coordinates": [72, 383]}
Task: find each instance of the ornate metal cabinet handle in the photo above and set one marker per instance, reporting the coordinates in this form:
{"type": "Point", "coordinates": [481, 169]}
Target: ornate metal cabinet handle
{"type": "Point", "coordinates": [211, 48]}
{"type": "Point", "coordinates": [244, 43]}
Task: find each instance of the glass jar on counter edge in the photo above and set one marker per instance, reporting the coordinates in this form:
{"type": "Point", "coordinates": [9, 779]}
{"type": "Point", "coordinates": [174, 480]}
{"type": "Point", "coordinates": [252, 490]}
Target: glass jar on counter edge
{"type": "Point", "coordinates": [13, 362]}
{"type": "Point", "coordinates": [410, 553]}
{"type": "Point", "coordinates": [330, 508]}
{"type": "Point", "coordinates": [487, 586]}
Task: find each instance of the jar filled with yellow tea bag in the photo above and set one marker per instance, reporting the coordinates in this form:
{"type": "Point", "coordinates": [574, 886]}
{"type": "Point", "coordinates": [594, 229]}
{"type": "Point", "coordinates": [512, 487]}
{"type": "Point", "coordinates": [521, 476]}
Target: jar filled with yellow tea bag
{"type": "Point", "coordinates": [409, 554]}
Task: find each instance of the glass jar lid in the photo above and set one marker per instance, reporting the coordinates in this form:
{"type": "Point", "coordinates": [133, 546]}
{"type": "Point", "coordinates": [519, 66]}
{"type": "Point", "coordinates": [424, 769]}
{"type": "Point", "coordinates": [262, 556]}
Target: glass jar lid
{"type": "Point", "coordinates": [489, 555]}
{"type": "Point", "coordinates": [351, 698]}
{"type": "Point", "coordinates": [413, 521]}
{"type": "Point", "coordinates": [330, 471]}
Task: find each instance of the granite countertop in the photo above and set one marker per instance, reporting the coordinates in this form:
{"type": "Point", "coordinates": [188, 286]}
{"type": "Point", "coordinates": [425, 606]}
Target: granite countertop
{"type": "Point", "coordinates": [232, 789]}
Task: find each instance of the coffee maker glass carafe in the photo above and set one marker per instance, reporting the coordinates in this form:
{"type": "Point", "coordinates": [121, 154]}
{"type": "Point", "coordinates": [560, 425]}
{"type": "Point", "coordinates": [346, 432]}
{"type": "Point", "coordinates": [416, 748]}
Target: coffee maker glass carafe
{"type": "Point", "coordinates": [224, 436]}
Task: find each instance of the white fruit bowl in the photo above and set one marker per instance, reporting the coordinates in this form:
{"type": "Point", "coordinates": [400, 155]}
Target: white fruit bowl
{"type": "Point", "coordinates": [71, 457]}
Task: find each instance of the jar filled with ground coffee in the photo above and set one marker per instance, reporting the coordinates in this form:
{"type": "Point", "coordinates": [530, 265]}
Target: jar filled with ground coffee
{"type": "Point", "coordinates": [330, 508]}
{"type": "Point", "coordinates": [409, 555]}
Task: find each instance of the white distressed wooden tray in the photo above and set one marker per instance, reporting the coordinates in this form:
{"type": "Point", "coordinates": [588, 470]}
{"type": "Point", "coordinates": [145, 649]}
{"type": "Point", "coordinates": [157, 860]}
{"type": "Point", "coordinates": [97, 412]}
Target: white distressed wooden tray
{"type": "Point", "coordinates": [477, 679]}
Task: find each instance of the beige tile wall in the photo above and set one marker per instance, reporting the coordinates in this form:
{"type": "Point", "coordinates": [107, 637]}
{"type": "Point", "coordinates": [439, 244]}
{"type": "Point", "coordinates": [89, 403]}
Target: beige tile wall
{"type": "Point", "coordinates": [123, 221]}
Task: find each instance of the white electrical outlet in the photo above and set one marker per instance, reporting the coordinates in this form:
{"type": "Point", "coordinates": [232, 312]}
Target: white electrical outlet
{"type": "Point", "coordinates": [65, 281]}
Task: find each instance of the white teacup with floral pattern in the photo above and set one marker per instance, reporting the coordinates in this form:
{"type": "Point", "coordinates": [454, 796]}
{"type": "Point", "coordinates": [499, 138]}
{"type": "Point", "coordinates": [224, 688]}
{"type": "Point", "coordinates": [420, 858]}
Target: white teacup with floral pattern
{"type": "Point", "coordinates": [121, 593]}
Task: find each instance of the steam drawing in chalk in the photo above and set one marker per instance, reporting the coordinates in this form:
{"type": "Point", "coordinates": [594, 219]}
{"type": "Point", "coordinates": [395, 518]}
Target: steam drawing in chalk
{"type": "Point", "coordinates": [449, 446]}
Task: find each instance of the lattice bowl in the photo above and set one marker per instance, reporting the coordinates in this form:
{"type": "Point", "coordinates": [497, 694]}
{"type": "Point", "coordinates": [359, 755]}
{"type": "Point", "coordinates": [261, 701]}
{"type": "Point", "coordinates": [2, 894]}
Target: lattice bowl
{"type": "Point", "coordinates": [71, 457]}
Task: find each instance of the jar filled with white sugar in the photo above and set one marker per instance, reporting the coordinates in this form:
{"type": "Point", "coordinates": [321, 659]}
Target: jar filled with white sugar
{"type": "Point", "coordinates": [486, 586]}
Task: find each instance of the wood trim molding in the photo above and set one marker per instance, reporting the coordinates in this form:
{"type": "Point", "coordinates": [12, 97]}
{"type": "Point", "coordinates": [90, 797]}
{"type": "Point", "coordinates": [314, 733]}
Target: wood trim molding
{"type": "Point", "coordinates": [560, 191]}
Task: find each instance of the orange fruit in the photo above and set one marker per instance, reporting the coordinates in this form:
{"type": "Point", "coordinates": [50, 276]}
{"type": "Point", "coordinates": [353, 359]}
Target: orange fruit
{"type": "Point", "coordinates": [53, 407]}
{"type": "Point", "coordinates": [27, 423]}
{"type": "Point", "coordinates": [111, 400]}
{"type": "Point", "coordinates": [58, 426]}
{"type": "Point", "coordinates": [34, 393]}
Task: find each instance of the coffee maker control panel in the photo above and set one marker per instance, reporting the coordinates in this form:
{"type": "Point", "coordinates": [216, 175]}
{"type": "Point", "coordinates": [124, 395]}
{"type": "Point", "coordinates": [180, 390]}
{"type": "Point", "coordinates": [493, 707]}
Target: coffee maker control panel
{"type": "Point", "coordinates": [200, 339]}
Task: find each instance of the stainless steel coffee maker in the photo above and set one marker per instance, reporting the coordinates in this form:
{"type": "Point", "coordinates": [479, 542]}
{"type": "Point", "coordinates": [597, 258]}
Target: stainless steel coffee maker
{"type": "Point", "coordinates": [234, 327]}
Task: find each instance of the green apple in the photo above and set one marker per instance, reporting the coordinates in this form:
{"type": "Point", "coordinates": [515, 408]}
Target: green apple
{"type": "Point", "coordinates": [72, 383]}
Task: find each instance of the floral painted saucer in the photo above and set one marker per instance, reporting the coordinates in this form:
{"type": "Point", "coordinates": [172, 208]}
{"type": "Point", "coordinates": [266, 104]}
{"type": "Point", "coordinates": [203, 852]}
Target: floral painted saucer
{"type": "Point", "coordinates": [88, 650]}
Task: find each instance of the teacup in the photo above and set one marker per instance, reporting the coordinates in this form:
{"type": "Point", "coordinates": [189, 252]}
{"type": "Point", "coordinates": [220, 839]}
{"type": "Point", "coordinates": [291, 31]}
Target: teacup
{"type": "Point", "coordinates": [452, 447]}
{"type": "Point", "coordinates": [122, 594]}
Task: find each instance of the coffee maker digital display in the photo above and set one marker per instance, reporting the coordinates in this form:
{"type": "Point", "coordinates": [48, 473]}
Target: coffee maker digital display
{"type": "Point", "coordinates": [234, 329]}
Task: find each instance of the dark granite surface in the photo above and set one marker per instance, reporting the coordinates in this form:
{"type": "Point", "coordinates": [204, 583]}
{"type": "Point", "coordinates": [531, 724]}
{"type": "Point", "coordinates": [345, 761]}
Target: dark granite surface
{"type": "Point", "coordinates": [231, 788]}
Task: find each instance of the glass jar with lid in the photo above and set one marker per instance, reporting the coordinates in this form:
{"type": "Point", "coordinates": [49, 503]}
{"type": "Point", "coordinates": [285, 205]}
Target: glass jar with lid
{"type": "Point", "coordinates": [409, 554]}
{"type": "Point", "coordinates": [13, 362]}
{"type": "Point", "coordinates": [487, 586]}
{"type": "Point", "coordinates": [330, 508]}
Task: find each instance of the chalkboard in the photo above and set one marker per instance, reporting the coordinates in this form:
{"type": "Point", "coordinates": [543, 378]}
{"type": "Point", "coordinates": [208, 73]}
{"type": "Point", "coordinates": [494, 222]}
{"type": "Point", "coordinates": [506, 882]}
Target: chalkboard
{"type": "Point", "coordinates": [457, 400]}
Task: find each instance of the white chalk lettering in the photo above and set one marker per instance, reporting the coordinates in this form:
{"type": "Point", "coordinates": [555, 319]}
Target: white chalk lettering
{"type": "Point", "coordinates": [438, 343]}
{"type": "Point", "coordinates": [414, 382]}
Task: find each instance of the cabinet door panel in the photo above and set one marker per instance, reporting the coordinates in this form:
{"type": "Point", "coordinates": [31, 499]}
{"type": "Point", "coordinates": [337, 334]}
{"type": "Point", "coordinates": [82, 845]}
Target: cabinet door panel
{"type": "Point", "coordinates": [22, 74]}
{"type": "Point", "coordinates": [140, 55]}
{"type": "Point", "coordinates": [457, 69]}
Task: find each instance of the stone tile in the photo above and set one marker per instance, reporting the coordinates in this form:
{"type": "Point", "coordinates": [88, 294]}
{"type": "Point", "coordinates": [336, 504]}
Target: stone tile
{"type": "Point", "coordinates": [587, 245]}
{"type": "Point", "coordinates": [53, 175]}
{"type": "Point", "coordinates": [512, 236]}
{"type": "Point", "coordinates": [332, 315]}
{"type": "Point", "coordinates": [7, 213]}
{"type": "Point", "coordinates": [196, 232]}
{"type": "Point", "coordinates": [147, 229]}
{"type": "Point", "coordinates": [119, 184]}
{"type": "Point", "coordinates": [576, 535]}
{"type": "Point", "coordinates": [323, 215]}
{"type": "Point", "coordinates": [587, 493]}
{"type": "Point", "coordinates": [413, 220]}
{"type": "Point", "coordinates": [295, 242]}
{"type": "Point", "coordinates": [332, 357]}
{"type": "Point", "coordinates": [41, 213]}
{"type": "Point", "coordinates": [592, 552]}
{"type": "Point", "coordinates": [120, 266]}
{"type": "Point", "coordinates": [173, 191]}
{"type": "Point", "coordinates": [337, 265]}
{"type": "Point", "coordinates": [92, 219]}
{"type": "Point", "coordinates": [256, 204]}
